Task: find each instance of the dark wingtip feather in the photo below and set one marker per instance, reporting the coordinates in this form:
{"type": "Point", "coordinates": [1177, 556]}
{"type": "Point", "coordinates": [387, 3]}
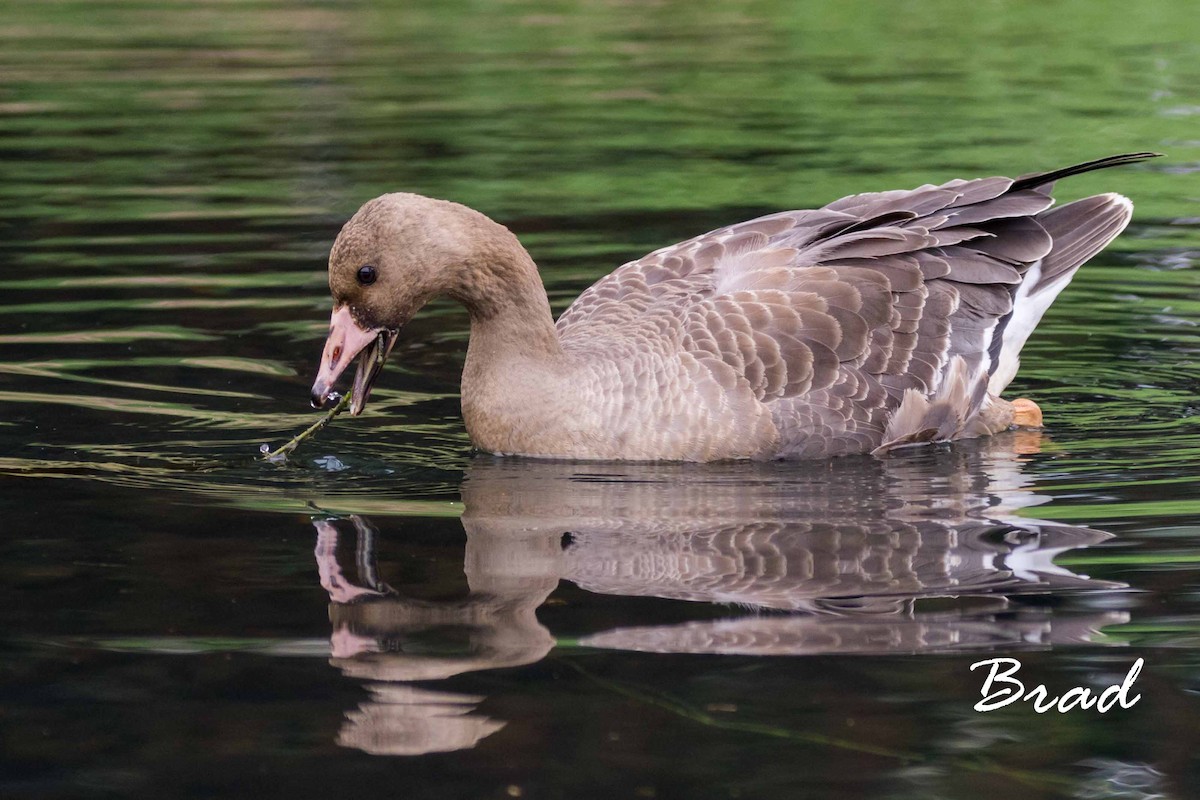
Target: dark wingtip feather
{"type": "Point", "coordinates": [1039, 178]}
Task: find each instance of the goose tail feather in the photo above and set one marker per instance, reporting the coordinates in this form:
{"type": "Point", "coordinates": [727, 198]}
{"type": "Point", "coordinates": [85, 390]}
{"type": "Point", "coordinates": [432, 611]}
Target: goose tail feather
{"type": "Point", "coordinates": [1078, 231]}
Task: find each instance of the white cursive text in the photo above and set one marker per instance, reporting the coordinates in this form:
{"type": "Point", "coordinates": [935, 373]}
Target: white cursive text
{"type": "Point", "coordinates": [1001, 688]}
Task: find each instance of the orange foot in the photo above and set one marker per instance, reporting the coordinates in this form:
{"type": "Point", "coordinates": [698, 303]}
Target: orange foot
{"type": "Point", "coordinates": [1026, 413]}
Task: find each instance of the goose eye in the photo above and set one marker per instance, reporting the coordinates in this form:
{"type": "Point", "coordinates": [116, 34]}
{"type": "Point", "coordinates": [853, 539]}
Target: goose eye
{"type": "Point", "coordinates": [366, 275]}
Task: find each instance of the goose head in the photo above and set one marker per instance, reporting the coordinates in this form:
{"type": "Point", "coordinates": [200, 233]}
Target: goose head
{"type": "Point", "coordinates": [394, 255]}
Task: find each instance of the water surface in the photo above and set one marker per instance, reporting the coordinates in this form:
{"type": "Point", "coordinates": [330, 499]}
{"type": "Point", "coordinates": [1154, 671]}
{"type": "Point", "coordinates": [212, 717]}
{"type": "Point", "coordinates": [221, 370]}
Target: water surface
{"type": "Point", "coordinates": [388, 613]}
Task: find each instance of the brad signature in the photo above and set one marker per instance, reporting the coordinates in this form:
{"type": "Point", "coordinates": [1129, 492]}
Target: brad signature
{"type": "Point", "coordinates": [1001, 689]}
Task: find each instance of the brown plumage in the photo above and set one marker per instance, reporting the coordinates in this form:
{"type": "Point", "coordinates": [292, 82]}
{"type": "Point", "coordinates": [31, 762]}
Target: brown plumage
{"type": "Point", "coordinates": [878, 321]}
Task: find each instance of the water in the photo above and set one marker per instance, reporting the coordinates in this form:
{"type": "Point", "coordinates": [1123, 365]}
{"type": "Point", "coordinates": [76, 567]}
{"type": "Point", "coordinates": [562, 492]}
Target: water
{"type": "Point", "coordinates": [388, 614]}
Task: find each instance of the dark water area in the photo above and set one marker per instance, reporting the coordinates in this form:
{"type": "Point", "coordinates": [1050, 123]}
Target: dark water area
{"type": "Point", "coordinates": [389, 614]}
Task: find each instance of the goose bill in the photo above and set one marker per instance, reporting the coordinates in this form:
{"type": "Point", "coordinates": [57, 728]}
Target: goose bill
{"type": "Point", "coordinates": [349, 340]}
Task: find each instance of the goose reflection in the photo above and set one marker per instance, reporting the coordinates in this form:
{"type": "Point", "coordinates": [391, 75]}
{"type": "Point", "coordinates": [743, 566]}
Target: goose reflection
{"type": "Point", "coordinates": [852, 549]}
{"type": "Point", "coordinates": [377, 634]}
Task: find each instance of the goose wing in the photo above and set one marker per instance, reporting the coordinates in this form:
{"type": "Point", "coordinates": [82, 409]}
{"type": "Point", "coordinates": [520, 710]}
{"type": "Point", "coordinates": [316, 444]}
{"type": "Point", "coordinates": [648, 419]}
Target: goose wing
{"type": "Point", "coordinates": [874, 320]}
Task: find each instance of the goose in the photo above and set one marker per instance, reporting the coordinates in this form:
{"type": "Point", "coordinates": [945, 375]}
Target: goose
{"type": "Point", "coordinates": [879, 321]}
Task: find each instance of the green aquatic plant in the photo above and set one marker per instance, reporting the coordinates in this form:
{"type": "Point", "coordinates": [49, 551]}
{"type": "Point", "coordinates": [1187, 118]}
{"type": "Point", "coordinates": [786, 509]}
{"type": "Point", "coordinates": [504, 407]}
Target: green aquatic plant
{"type": "Point", "coordinates": [280, 454]}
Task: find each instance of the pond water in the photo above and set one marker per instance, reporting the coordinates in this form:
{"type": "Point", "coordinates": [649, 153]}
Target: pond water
{"type": "Point", "coordinates": [388, 614]}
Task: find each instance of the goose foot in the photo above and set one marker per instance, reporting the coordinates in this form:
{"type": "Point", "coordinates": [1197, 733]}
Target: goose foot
{"type": "Point", "coordinates": [1026, 413]}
